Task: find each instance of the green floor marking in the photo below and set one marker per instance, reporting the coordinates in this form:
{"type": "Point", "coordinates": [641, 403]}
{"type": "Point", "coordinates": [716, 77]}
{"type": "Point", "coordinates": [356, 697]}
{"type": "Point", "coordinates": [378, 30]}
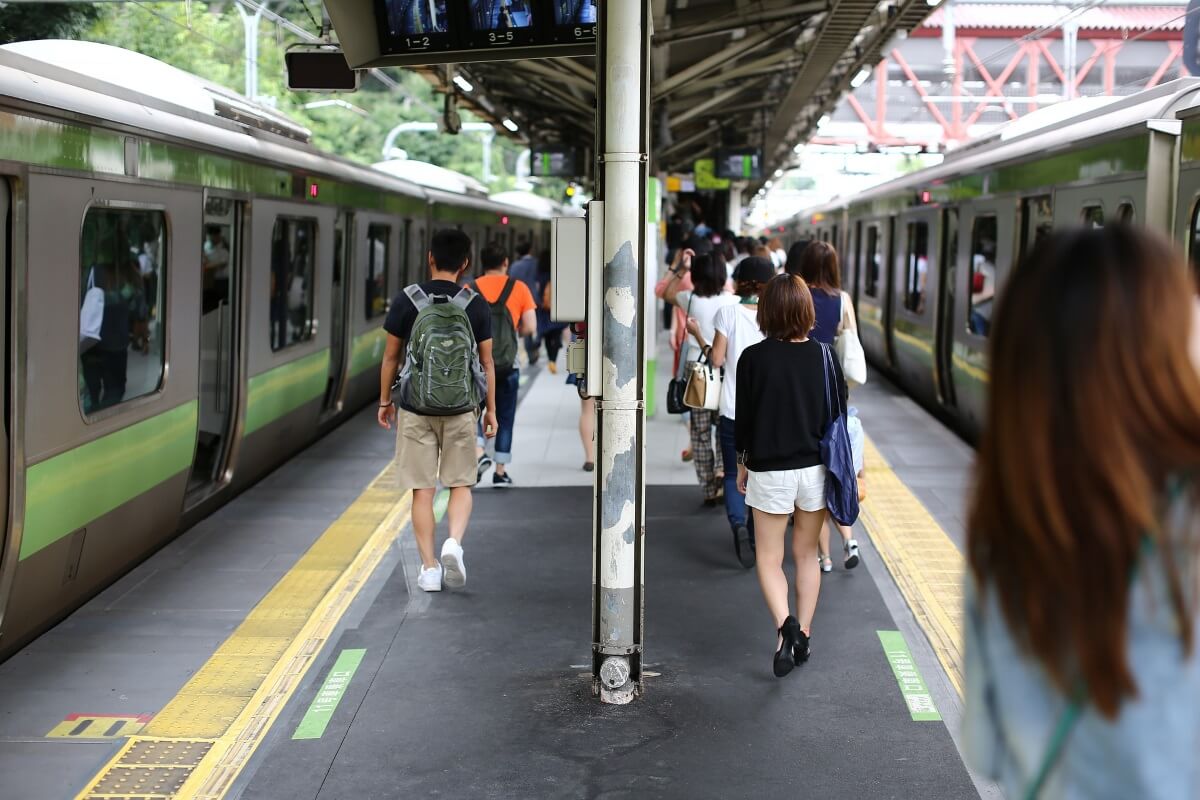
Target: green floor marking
{"type": "Point", "coordinates": [912, 685]}
{"type": "Point", "coordinates": [327, 699]}
{"type": "Point", "coordinates": [441, 501]}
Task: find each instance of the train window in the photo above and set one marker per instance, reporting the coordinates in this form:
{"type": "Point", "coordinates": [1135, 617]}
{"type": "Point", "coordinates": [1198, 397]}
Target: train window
{"type": "Point", "coordinates": [1125, 214]}
{"type": "Point", "coordinates": [1194, 244]}
{"type": "Point", "coordinates": [292, 256]}
{"type": "Point", "coordinates": [1037, 221]}
{"type": "Point", "coordinates": [983, 275]}
{"type": "Point", "coordinates": [378, 240]}
{"type": "Point", "coordinates": [1093, 216]}
{"type": "Point", "coordinates": [833, 237]}
{"type": "Point", "coordinates": [123, 266]}
{"type": "Point", "coordinates": [918, 267]}
{"type": "Point", "coordinates": [871, 263]}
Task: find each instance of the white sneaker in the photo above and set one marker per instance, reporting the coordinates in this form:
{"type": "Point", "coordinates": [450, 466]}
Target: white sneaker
{"type": "Point", "coordinates": [430, 579]}
{"type": "Point", "coordinates": [452, 562]}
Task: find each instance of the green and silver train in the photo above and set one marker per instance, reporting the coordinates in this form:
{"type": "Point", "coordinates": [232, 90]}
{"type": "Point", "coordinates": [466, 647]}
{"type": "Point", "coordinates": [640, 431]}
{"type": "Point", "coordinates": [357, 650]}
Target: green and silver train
{"type": "Point", "coordinates": [925, 255]}
{"type": "Point", "coordinates": [191, 294]}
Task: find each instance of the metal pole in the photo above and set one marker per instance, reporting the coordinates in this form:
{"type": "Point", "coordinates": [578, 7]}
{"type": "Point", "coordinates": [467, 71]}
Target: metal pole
{"type": "Point", "coordinates": [250, 26]}
{"type": "Point", "coordinates": [624, 54]}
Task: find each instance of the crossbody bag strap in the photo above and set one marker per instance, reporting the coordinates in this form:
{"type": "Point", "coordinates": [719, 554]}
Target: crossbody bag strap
{"type": "Point", "coordinates": [509, 285]}
{"type": "Point", "coordinates": [825, 369]}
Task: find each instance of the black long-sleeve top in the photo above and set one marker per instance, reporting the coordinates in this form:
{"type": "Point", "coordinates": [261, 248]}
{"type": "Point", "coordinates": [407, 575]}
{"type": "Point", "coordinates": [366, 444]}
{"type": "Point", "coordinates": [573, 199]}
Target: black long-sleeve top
{"type": "Point", "coordinates": [781, 408]}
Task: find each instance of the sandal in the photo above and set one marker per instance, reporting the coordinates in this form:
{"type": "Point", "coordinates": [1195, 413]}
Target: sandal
{"type": "Point", "coordinates": [686, 456]}
{"type": "Point", "coordinates": [826, 562]}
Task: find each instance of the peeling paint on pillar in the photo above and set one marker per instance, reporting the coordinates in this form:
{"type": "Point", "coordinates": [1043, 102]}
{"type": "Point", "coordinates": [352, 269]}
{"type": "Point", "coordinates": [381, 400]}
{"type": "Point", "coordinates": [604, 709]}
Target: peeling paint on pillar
{"type": "Point", "coordinates": [620, 325]}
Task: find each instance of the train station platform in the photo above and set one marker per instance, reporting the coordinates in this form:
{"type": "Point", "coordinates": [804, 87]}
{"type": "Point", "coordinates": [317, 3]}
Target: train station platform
{"type": "Point", "coordinates": [281, 649]}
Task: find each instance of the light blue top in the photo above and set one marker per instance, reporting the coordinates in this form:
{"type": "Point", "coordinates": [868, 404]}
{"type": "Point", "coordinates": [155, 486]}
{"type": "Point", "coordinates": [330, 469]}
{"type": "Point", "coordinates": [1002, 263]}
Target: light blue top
{"type": "Point", "coordinates": [1151, 751]}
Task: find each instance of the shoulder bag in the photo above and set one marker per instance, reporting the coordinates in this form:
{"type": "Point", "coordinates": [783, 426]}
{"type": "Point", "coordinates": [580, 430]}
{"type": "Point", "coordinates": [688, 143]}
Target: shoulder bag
{"type": "Point", "coordinates": [678, 384]}
{"type": "Point", "coordinates": [850, 350]}
{"type": "Point", "coordinates": [703, 390]}
{"type": "Point", "coordinates": [91, 314]}
{"type": "Point", "coordinates": [841, 482]}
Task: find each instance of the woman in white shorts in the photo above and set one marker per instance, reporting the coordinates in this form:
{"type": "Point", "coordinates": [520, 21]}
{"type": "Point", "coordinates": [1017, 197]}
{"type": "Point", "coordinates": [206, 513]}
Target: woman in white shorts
{"type": "Point", "coordinates": [782, 414]}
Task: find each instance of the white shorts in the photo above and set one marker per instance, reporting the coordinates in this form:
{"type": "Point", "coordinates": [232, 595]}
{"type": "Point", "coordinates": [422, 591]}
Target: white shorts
{"type": "Point", "coordinates": [780, 491]}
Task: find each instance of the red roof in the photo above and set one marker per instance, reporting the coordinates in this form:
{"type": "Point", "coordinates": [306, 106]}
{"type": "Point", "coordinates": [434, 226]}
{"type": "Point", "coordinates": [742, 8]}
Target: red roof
{"type": "Point", "coordinates": [1033, 17]}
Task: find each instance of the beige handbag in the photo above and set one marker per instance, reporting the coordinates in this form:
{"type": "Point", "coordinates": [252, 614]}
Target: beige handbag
{"type": "Point", "coordinates": [703, 390]}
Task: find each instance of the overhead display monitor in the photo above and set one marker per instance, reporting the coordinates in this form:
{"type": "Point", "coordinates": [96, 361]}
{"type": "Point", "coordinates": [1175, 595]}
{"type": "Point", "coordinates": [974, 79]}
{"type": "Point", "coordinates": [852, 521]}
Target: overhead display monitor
{"type": "Point", "coordinates": [739, 163]}
{"type": "Point", "coordinates": [500, 23]}
{"type": "Point", "coordinates": [575, 20]}
{"type": "Point", "coordinates": [319, 69]}
{"type": "Point", "coordinates": [415, 26]}
{"type": "Point", "coordinates": [554, 161]}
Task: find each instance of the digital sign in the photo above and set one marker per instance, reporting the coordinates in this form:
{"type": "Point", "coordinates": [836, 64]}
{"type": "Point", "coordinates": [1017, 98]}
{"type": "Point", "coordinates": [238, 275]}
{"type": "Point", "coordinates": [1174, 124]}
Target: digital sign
{"type": "Point", "coordinates": [739, 163]}
{"type": "Point", "coordinates": [437, 31]}
{"type": "Point", "coordinates": [554, 161]}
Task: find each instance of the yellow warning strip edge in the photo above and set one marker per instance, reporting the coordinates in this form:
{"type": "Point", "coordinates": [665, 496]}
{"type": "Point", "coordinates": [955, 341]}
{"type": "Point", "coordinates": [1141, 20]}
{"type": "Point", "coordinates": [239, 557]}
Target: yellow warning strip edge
{"type": "Point", "coordinates": [924, 562]}
{"type": "Point", "coordinates": [216, 772]}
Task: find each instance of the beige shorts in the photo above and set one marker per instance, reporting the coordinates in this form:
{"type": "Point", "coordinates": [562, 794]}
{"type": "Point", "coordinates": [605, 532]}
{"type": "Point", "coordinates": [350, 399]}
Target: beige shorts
{"type": "Point", "coordinates": [780, 491]}
{"type": "Point", "coordinates": [433, 449]}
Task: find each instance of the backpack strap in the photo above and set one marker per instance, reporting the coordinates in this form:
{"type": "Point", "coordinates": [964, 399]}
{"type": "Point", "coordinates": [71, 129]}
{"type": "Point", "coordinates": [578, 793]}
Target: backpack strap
{"type": "Point", "coordinates": [418, 297]}
{"type": "Point", "coordinates": [509, 285]}
{"type": "Point", "coordinates": [464, 297]}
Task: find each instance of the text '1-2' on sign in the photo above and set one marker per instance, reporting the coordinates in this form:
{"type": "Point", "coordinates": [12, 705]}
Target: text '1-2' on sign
{"type": "Point", "coordinates": [378, 33]}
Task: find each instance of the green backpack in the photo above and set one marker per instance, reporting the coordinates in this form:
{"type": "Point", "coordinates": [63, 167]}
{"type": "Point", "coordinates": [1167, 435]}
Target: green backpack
{"type": "Point", "coordinates": [442, 374]}
{"type": "Point", "coordinates": [504, 332]}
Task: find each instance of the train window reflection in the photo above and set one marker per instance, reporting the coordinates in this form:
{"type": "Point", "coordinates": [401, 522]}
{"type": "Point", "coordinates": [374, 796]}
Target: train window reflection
{"type": "Point", "coordinates": [1126, 214]}
{"type": "Point", "coordinates": [983, 275]}
{"type": "Point", "coordinates": [917, 267]}
{"type": "Point", "coordinates": [1093, 216]}
{"type": "Point", "coordinates": [378, 241]}
{"type": "Point", "coordinates": [292, 255]}
{"type": "Point", "coordinates": [1194, 243]}
{"type": "Point", "coordinates": [1037, 221]}
{"type": "Point", "coordinates": [123, 261]}
{"type": "Point", "coordinates": [871, 263]}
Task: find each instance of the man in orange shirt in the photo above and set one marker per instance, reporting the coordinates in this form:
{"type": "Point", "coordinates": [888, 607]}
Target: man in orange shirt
{"type": "Point", "coordinates": [514, 314]}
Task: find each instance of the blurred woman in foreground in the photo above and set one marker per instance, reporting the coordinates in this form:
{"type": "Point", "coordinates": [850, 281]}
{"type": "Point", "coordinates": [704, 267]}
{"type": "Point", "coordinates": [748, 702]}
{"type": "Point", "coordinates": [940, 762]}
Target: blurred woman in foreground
{"type": "Point", "coordinates": [1082, 679]}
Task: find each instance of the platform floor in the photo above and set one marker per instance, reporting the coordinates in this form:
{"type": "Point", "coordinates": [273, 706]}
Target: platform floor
{"type": "Point", "coordinates": [484, 692]}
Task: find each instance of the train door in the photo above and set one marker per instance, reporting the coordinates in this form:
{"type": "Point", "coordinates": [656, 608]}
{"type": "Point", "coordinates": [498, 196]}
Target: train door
{"type": "Point", "coordinates": [945, 306]}
{"type": "Point", "coordinates": [220, 343]}
{"type": "Point", "coordinates": [5, 282]}
{"type": "Point", "coordinates": [893, 260]}
{"type": "Point", "coordinates": [339, 299]}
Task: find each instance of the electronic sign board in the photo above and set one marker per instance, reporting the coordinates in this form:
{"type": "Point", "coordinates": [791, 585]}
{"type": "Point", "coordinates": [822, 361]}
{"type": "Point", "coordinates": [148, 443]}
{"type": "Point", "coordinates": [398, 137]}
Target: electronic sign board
{"type": "Point", "coordinates": [554, 161]}
{"type": "Point", "coordinates": [739, 163]}
{"type": "Point", "coordinates": [319, 69]}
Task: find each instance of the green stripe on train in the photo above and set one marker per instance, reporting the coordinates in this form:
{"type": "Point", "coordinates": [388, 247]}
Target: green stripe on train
{"type": "Point", "coordinates": [53, 144]}
{"type": "Point", "coordinates": [275, 392]}
{"type": "Point", "coordinates": [367, 351]}
{"type": "Point", "coordinates": [66, 492]}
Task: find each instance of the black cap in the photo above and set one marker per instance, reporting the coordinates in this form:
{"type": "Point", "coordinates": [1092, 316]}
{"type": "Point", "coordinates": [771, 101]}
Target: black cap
{"type": "Point", "coordinates": [754, 268]}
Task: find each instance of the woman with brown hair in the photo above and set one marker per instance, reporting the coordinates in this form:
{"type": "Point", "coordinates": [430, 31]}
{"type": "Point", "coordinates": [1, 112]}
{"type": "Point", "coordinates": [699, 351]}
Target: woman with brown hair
{"type": "Point", "coordinates": [785, 386]}
{"type": "Point", "coordinates": [1082, 679]}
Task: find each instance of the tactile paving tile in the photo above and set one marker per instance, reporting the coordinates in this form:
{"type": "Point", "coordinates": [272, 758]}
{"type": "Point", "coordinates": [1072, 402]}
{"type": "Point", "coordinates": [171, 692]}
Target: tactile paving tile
{"type": "Point", "coordinates": [152, 769]}
{"type": "Point", "coordinates": [198, 716]}
{"type": "Point", "coordinates": [165, 752]}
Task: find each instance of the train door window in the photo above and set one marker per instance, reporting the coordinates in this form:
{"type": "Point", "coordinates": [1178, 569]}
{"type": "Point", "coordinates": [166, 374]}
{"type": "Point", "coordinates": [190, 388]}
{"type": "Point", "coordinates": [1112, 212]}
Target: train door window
{"type": "Point", "coordinates": [1194, 243]}
{"type": "Point", "coordinates": [1037, 221]}
{"type": "Point", "coordinates": [871, 262]}
{"type": "Point", "coordinates": [833, 238]}
{"type": "Point", "coordinates": [378, 241]}
{"type": "Point", "coordinates": [123, 271]}
{"type": "Point", "coordinates": [1093, 216]}
{"type": "Point", "coordinates": [917, 267]}
{"type": "Point", "coordinates": [1126, 214]}
{"type": "Point", "coordinates": [293, 243]}
{"type": "Point", "coordinates": [983, 275]}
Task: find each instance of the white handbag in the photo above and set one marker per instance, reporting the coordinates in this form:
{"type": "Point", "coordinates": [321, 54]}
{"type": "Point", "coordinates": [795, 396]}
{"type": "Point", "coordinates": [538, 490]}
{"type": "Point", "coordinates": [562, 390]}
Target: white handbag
{"type": "Point", "coordinates": [703, 390]}
{"type": "Point", "coordinates": [91, 314]}
{"type": "Point", "coordinates": [850, 351]}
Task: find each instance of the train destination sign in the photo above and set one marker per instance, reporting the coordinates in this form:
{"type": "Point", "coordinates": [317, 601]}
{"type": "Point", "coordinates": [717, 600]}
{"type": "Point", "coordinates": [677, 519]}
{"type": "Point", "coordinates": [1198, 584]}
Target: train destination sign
{"type": "Point", "coordinates": [376, 33]}
{"type": "Point", "coordinates": [554, 161]}
{"type": "Point", "coordinates": [739, 163]}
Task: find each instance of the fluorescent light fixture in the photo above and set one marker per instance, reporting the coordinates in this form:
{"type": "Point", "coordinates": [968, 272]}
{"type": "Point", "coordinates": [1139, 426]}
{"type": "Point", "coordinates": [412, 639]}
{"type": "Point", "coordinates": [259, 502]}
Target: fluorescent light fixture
{"type": "Point", "coordinates": [769, 184]}
{"type": "Point", "coordinates": [822, 122]}
{"type": "Point", "coordinates": [508, 123]}
{"type": "Point", "coordinates": [862, 77]}
{"type": "Point", "coordinates": [463, 83]}
{"type": "Point", "coordinates": [778, 173]}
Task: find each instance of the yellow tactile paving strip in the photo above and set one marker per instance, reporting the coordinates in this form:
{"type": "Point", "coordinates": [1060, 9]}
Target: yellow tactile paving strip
{"type": "Point", "coordinates": [196, 746]}
{"type": "Point", "coordinates": [926, 565]}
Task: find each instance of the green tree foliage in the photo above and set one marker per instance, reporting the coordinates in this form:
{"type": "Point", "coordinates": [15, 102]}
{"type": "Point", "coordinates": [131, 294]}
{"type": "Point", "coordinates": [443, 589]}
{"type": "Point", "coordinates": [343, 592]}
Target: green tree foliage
{"type": "Point", "coordinates": [206, 39]}
{"type": "Point", "coordinates": [20, 22]}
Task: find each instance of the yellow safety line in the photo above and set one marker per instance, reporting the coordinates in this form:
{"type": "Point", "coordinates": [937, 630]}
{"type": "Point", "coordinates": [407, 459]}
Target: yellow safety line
{"type": "Point", "coordinates": [926, 565]}
{"type": "Point", "coordinates": [231, 702]}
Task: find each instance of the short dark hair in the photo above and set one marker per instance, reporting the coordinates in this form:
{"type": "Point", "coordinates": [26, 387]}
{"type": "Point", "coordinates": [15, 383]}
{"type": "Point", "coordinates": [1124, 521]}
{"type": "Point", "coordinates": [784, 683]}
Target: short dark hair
{"type": "Point", "coordinates": [523, 248]}
{"type": "Point", "coordinates": [819, 267]}
{"type": "Point", "coordinates": [794, 254]}
{"type": "Point", "coordinates": [491, 257]}
{"type": "Point", "coordinates": [785, 308]}
{"type": "Point", "coordinates": [708, 274]}
{"type": "Point", "coordinates": [451, 249]}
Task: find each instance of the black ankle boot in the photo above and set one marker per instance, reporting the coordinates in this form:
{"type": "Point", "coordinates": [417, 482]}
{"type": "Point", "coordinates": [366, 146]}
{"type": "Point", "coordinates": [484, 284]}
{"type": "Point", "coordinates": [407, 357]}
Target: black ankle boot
{"type": "Point", "coordinates": [785, 658]}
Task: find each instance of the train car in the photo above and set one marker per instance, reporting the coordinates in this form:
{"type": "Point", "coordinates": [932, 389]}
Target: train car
{"type": "Point", "coordinates": [925, 255]}
{"type": "Point", "coordinates": [192, 294]}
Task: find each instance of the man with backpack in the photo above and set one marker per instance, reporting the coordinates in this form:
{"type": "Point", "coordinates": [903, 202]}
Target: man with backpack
{"type": "Point", "coordinates": [525, 269]}
{"type": "Point", "coordinates": [442, 335]}
{"type": "Point", "coordinates": [513, 313]}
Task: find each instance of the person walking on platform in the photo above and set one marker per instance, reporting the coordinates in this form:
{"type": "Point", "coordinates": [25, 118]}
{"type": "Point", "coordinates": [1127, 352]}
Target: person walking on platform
{"type": "Point", "coordinates": [1082, 676]}
{"type": "Point", "coordinates": [701, 304]}
{"type": "Point", "coordinates": [525, 269]}
{"type": "Point", "coordinates": [817, 264]}
{"type": "Point", "coordinates": [735, 327]}
{"type": "Point", "coordinates": [513, 313]}
{"type": "Point", "coordinates": [438, 325]}
{"type": "Point", "coordinates": [784, 392]}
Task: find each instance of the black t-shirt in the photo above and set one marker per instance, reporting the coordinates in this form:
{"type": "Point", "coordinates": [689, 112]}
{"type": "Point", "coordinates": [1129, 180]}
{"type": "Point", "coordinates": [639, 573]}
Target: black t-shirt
{"type": "Point", "coordinates": [403, 313]}
{"type": "Point", "coordinates": [781, 407]}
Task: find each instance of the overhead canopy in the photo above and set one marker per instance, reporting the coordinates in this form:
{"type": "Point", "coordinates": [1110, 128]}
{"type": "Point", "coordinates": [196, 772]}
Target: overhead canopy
{"type": "Point", "coordinates": [757, 73]}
